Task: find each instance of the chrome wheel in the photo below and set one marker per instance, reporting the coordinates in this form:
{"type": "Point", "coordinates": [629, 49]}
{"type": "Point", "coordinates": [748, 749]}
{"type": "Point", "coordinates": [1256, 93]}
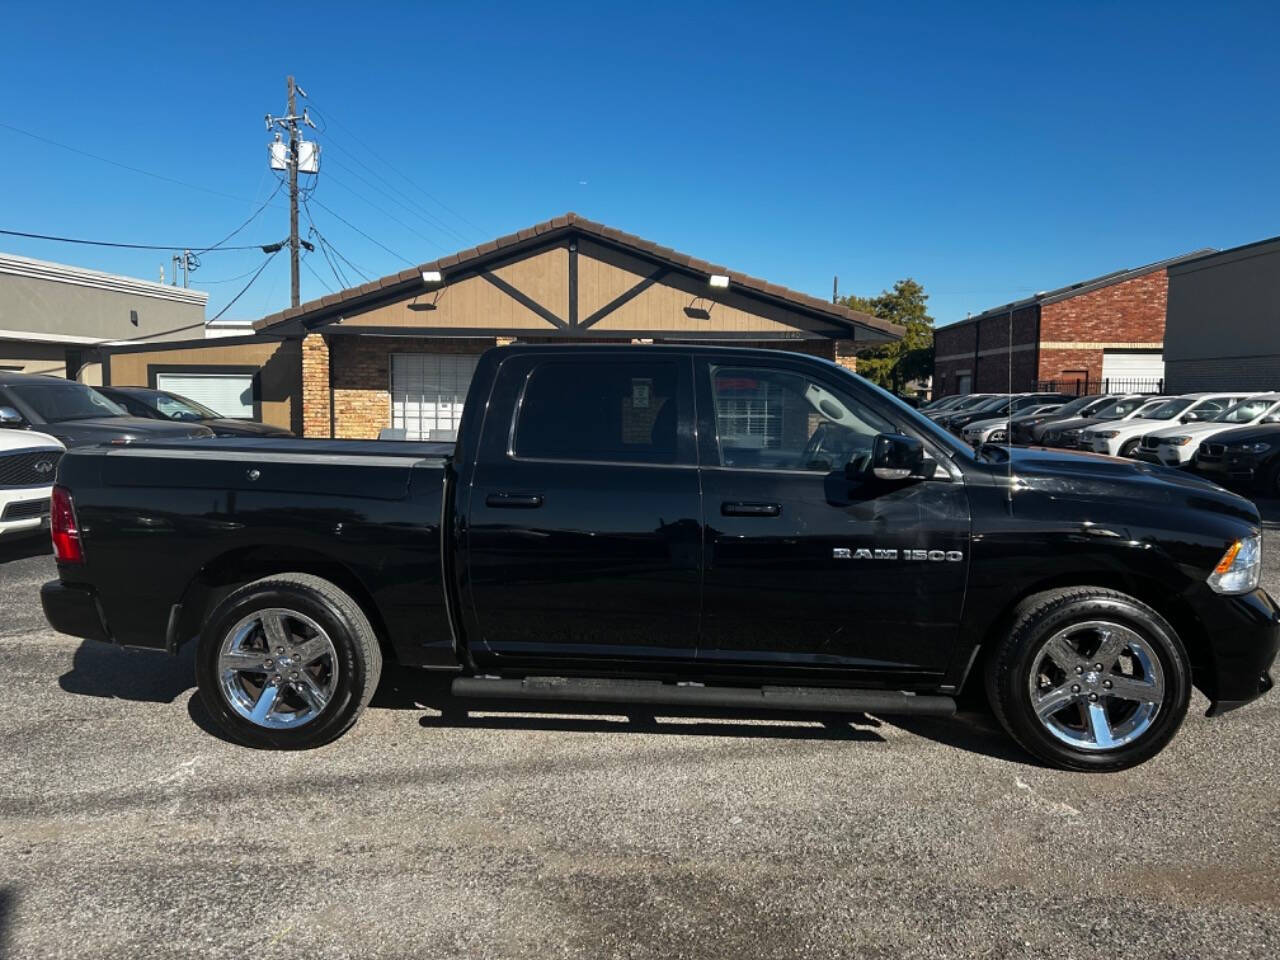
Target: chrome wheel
{"type": "Point", "coordinates": [1097, 685]}
{"type": "Point", "coordinates": [277, 668]}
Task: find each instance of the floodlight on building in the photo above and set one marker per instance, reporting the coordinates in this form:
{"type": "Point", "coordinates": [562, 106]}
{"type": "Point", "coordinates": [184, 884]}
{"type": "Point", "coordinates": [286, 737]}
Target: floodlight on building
{"type": "Point", "coordinates": [720, 280]}
{"type": "Point", "coordinates": [432, 276]}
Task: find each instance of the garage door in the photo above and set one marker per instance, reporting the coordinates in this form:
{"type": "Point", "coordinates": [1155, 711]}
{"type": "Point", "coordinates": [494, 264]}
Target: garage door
{"type": "Point", "coordinates": [230, 394]}
{"type": "Point", "coordinates": [427, 393]}
{"type": "Point", "coordinates": [1132, 370]}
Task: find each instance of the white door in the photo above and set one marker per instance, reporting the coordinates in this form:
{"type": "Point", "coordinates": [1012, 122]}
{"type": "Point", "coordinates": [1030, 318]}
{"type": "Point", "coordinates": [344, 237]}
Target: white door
{"type": "Point", "coordinates": [427, 393]}
{"type": "Point", "coordinates": [1132, 370]}
{"type": "Point", "coordinates": [228, 394]}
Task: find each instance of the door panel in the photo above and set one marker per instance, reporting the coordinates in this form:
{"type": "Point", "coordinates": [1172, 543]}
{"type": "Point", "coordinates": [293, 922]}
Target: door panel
{"type": "Point", "coordinates": [864, 576]}
{"type": "Point", "coordinates": [585, 534]}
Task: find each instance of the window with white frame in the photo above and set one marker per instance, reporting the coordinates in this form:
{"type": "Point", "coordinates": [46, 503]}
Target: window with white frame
{"type": "Point", "coordinates": [428, 391]}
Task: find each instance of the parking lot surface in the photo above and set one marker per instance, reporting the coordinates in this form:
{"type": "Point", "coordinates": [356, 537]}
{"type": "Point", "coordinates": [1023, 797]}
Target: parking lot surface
{"type": "Point", "coordinates": [128, 829]}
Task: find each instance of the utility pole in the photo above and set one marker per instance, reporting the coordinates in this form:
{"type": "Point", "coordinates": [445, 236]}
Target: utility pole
{"type": "Point", "coordinates": [291, 159]}
{"type": "Point", "coordinates": [835, 289]}
{"type": "Point", "coordinates": [293, 197]}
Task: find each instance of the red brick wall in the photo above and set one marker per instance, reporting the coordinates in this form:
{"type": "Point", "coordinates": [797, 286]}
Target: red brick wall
{"type": "Point", "coordinates": [315, 386]}
{"type": "Point", "coordinates": [1132, 312]}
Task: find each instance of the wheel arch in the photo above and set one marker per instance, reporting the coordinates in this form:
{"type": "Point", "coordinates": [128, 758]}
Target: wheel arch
{"type": "Point", "coordinates": [1150, 591]}
{"type": "Point", "coordinates": [223, 573]}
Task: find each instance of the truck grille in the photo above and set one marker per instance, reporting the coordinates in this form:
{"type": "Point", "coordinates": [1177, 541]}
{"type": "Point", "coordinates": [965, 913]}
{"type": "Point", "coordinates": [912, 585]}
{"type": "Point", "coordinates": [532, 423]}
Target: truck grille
{"type": "Point", "coordinates": [30, 469]}
{"type": "Point", "coordinates": [26, 509]}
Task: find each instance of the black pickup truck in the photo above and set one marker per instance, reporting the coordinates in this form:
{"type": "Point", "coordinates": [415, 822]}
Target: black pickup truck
{"type": "Point", "coordinates": [665, 525]}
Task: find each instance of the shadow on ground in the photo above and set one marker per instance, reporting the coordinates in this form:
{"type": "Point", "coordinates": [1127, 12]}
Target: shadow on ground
{"type": "Point", "coordinates": [23, 548]}
{"type": "Point", "coordinates": [101, 670]}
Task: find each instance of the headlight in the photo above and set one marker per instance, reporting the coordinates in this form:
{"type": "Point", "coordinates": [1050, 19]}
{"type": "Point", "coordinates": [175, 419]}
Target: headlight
{"type": "Point", "coordinates": [1107, 434]}
{"type": "Point", "coordinates": [1259, 447]}
{"type": "Point", "coordinates": [1176, 441]}
{"type": "Point", "coordinates": [1240, 568]}
{"type": "Point", "coordinates": [998, 436]}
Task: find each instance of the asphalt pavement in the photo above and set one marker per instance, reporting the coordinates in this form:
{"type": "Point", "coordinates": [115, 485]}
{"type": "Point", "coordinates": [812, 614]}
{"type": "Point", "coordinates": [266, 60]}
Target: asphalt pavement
{"type": "Point", "coordinates": [128, 829]}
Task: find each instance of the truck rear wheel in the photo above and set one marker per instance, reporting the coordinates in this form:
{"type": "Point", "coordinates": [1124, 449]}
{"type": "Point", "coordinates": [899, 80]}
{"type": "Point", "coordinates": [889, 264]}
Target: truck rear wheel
{"type": "Point", "coordinates": [1089, 679]}
{"type": "Point", "coordinates": [287, 662]}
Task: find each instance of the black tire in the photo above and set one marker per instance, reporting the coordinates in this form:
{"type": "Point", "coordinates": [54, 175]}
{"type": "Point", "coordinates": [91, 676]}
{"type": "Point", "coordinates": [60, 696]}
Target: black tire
{"type": "Point", "coordinates": [1035, 622]}
{"type": "Point", "coordinates": [1129, 446]}
{"type": "Point", "coordinates": [358, 658]}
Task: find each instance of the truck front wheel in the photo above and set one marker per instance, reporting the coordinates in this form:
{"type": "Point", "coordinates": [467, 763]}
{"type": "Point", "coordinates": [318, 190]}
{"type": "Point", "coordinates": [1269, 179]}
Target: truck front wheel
{"type": "Point", "coordinates": [287, 662]}
{"type": "Point", "coordinates": [1089, 679]}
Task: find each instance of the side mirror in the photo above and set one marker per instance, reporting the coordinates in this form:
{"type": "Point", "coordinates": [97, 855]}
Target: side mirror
{"type": "Point", "coordinates": [1190, 417]}
{"type": "Point", "coordinates": [10, 417]}
{"type": "Point", "coordinates": [895, 456]}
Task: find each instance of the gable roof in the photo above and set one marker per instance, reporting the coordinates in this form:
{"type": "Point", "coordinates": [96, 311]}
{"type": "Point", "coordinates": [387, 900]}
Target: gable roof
{"type": "Point", "coordinates": [1084, 286]}
{"type": "Point", "coordinates": [392, 285]}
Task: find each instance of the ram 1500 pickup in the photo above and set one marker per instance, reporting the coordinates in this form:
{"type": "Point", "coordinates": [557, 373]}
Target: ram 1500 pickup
{"type": "Point", "coordinates": [668, 525]}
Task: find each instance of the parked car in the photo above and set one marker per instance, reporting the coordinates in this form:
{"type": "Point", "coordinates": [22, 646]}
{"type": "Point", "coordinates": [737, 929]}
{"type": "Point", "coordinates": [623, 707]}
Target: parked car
{"type": "Point", "coordinates": [1176, 446]}
{"type": "Point", "coordinates": [1249, 456]}
{"type": "Point", "coordinates": [1066, 433]}
{"type": "Point", "coordinates": [78, 415]}
{"type": "Point", "coordinates": [1028, 429]}
{"type": "Point", "coordinates": [28, 464]}
{"type": "Point", "coordinates": [611, 528]}
{"type": "Point", "coordinates": [163, 405]}
{"type": "Point", "coordinates": [942, 403]}
{"type": "Point", "coordinates": [989, 407]}
{"type": "Point", "coordinates": [996, 430]}
{"type": "Point", "coordinates": [966, 403]}
{"type": "Point", "coordinates": [1006, 406]}
{"type": "Point", "coordinates": [1123, 438]}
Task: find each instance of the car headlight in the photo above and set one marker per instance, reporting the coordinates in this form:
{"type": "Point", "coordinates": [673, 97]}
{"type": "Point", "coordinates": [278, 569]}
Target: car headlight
{"type": "Point", "coordinates": [1107, 434]}
{"type": "Point", "coordinates": [1259, 447]}
{"type": "Point", "coordinates": [1240, 568]}
{"type": "Point", "coordinates": [998, 436]}
{"type": "Point", "coordinates": [1177, 441]}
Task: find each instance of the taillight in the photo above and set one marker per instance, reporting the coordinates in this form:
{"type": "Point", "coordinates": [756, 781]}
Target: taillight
{"type": "Point", "coordinates": [62, 524]}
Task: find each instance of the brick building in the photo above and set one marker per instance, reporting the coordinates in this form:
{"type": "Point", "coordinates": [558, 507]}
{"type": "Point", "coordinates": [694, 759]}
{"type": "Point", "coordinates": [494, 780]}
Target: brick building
{"type": "Point", "coordinates": [399, 352]}
{"type": "Point", "coordinates": [1105, 334]}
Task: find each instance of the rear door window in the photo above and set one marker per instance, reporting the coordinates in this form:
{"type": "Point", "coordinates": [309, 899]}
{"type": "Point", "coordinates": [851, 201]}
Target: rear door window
{"type": "Point", "coordinates": [616, 411]}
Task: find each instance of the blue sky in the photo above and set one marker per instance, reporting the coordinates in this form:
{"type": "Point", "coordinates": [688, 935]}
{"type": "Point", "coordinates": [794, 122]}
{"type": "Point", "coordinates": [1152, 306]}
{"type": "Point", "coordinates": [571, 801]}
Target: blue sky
{"type": "Point", "coordinates": [987, 151]}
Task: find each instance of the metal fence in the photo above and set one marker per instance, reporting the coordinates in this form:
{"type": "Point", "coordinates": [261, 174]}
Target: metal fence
{"type": "Point", "coordinates": [1080, 386]}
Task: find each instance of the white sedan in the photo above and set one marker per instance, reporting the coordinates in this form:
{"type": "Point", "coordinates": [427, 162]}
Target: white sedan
{"type": "Point", "coordinates": [1176, 446]}
{"type": "Point", "coordinates": [1123, 437]}
{"type": "Point", "coordinates": [28, 465]}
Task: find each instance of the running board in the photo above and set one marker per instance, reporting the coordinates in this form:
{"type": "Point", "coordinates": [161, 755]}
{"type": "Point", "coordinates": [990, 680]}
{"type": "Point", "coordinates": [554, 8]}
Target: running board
{"type": "Point", "coordinates": [653, 692]}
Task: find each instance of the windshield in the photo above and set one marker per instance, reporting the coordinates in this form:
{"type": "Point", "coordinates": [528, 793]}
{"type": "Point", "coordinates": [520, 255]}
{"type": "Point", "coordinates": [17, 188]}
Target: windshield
{"type": "Point", "coordinates": [1119, 408]}
{"type": "Point", "coordinates": [1145, 411]}
{"type": "Point", "coordinates": [1246, 411]}
{"type": "Point", "coordinates": [1073, 406]}
{"type": "Point", "coordinates": [1168, 410]}
{"type": "Point", "coordinates": [61, 400]}
{"type": "Point", "coordinates": [907, 414]}
{"type": "Point", "coordinates": [971, 403]}
{"type": "Point", "coordinates": [175, 407]}
{"type": "Point", "coordinates": [991, 403]}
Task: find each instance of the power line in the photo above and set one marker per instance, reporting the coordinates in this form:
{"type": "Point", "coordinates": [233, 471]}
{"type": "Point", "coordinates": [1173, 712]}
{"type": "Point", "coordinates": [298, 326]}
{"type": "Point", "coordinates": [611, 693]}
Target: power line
{"type": "Point", "coordinates": [127, 246]}
{"type": "Point", "coordinates": [328, 210]}
{"type": "Point", "coordinates": [427, 217]}
{"type": "Point", "coordinates": [253, 216]}
{"type": "Point", "coordinates": [124, 166]}
{"type": "Point", "coordinates": [390, 216]}
{"type": "Point", "coordinates": [312, 271]}
{"type": "Point", "coordinates": [257, 273]}
{"type": "Point", "coordinates": [483, 232]}
{"type": "Point", "coordinates": [326, 242]}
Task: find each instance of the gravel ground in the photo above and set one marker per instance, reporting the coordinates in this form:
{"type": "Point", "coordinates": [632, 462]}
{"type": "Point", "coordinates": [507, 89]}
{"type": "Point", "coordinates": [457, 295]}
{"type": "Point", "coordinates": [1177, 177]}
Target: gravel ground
{"type": "Point", "coordinates": [127, 829]}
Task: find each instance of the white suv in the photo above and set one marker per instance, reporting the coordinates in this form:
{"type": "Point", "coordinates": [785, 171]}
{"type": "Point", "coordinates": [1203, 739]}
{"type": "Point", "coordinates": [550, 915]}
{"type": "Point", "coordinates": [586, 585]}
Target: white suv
{"type": "Point", "coordinates": [1123, 437]}
{"type": "Point", "coordinates": [28, 464]}
{"type": "Point", "coordinates": [1176, 446]}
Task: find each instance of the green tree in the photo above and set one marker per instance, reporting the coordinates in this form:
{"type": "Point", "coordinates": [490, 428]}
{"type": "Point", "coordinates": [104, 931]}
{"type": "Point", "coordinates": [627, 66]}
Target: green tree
{"type": "Point", "coordinates": [894, 365]}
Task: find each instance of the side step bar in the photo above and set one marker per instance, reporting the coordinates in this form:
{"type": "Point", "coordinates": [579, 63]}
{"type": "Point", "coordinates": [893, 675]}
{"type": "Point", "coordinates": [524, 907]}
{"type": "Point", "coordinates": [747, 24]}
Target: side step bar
{"type": "Point", "coordinates": [651, 692]}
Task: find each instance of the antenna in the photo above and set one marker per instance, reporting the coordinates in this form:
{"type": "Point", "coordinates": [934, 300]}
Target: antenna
{"type": "Point", "coordinates": [1008, 429]}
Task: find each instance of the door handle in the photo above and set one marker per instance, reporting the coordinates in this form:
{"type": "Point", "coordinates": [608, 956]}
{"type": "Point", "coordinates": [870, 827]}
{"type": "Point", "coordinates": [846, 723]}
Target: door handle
{"type": "Point", "coordinates": [739, 509]}
{"type": "Point", "coordinates": [514, 501]}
